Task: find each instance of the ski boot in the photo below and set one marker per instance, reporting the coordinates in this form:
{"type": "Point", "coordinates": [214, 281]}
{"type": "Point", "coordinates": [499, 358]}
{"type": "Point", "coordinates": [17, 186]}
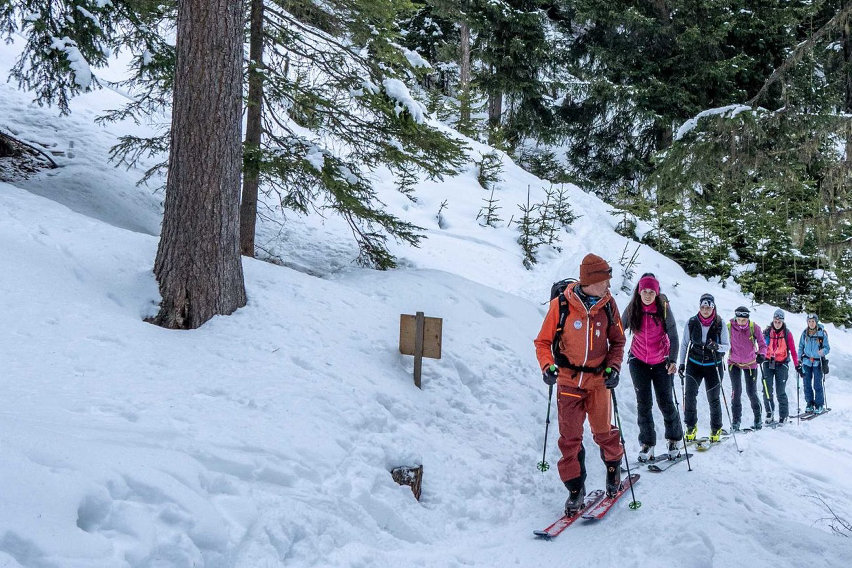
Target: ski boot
{"type": "Point", "coordinates": [646, 453]}
{"type": "Point", "coordinates": [735, 426]}
{"type": "Point", "coordinates": [613, 478]}
{"type": "Point", "coordinates": [672, 447]}
{"type": "Point", "coordinates": [716, 435]}
{"type": "Point", "coordinates": [809, 409]}
{"type": "Point", "coordinates": [769, 419]}
{"type": "Point", "coordinates": [691, 433]}
{"type": "Point", "coordinates": [819, 409]}
{"type": "Point", "coordinates": [576, 494]}
{"type": "Point", "coordinates": [757, 424]}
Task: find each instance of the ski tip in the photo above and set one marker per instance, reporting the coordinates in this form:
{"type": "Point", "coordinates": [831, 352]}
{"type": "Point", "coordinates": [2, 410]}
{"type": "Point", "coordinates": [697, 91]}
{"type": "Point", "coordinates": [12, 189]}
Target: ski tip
{"type": "Point", "coordinates": [542, 535]}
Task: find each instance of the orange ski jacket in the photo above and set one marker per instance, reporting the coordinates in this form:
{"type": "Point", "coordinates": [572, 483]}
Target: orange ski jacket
{"type": "Point", "coordinates": [587, 339]}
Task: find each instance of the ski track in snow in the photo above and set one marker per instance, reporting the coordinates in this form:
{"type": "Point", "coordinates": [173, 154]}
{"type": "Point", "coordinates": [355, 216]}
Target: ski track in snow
{"type": "Point", "coordinates": [265, 438]}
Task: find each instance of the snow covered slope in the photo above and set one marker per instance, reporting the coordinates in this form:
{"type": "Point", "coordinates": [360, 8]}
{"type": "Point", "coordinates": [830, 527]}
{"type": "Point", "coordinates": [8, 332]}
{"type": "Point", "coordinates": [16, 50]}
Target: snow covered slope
{"type": "Point", "coordinates": [265, 438]}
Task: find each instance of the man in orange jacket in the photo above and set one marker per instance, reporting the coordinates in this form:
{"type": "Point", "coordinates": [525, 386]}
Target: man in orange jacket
{"type": "Point", "coordinates": [584, 362]}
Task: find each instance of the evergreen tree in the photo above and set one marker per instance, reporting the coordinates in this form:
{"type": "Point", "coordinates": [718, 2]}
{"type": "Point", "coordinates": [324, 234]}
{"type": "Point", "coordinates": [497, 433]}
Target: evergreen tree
{"type": "Point", "coordinates": [333, 101]}
{"type": "Point", "coordinates": [66, 39]}
{"type": "Point", "coordinates": [644, 67]}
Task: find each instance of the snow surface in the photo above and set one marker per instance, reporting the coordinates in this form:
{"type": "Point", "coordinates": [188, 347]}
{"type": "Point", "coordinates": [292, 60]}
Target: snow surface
{"type": "Point", "coordinates": [266, 438]}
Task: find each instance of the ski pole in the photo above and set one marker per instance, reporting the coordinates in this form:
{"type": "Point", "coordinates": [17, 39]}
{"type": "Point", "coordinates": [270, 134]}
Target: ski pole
{"type": "Point", "coordinates": [824, 396]}
{"type": "Point", "coordinates": [798, 398]}
{"type": "Point", "coordinates": [765, 390]}
{"type": "Point", "coordinates": [543, 465]}
{"type": "Point", "coordinates": [682, 429]}
{"type": "Point", "coordinates": [725, 398]}
{"type": "Point", "coordinates": [634, 504]}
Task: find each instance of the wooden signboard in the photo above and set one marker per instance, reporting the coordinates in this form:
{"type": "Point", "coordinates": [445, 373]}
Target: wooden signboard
{"type": "Point", "coordinates": [420, 336]}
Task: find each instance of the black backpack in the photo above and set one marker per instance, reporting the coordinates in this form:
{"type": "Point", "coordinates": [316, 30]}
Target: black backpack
{"type": "Point", "coordinates": [557, 290]}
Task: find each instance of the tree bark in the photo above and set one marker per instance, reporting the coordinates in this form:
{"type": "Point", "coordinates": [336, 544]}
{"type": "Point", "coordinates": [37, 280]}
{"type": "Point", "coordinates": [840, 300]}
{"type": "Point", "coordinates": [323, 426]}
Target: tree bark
{"type": "Point", "coordinates": [254, 126]}
{"type": "Point", "coordinates": [495, 108]}
{"type": "Point", "coordinates": [464, 72]}
{"type": "Point", "coordinates": [198, 265]}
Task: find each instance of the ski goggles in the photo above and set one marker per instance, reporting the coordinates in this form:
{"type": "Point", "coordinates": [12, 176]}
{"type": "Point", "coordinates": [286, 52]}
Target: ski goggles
{"type": "Point", "coordinates": [813, 317]}
{"type": "Point", "coordinates": [741, 314]}
{"type": "Point", "coordinates": [707, 304]}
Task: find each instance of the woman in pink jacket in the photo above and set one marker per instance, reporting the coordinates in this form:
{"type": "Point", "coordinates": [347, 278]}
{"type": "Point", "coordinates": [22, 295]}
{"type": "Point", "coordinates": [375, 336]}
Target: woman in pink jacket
{"type": "Point", "coordinates": [652, 362]}
{"type": "Point", "coordinates": [748, 350]}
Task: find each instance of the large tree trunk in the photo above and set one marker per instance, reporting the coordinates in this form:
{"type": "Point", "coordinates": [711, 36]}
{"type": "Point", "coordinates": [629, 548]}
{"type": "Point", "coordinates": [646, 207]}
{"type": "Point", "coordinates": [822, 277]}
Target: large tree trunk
{"type": "Point", "coordinates": [254, 126]}
{"type": "Point", "coordinates": [198, 265]}
{"type": "Point", "coordinates": [464, 73]}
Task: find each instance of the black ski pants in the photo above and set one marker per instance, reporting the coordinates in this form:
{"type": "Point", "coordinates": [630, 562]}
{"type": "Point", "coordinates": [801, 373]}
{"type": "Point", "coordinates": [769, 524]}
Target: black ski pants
{"type": "Point", "coordinates": [710, 374]}
{"type": "Point", "coordinates": [738, 375]}
{"type": "Point", "coordinates": [644, 376]}
{"type": "Point", "coordinates": [776, 379]}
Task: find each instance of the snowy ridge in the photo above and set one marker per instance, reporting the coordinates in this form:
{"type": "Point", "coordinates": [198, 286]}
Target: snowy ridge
{"type": "Point", "coordinates": [266, 438]}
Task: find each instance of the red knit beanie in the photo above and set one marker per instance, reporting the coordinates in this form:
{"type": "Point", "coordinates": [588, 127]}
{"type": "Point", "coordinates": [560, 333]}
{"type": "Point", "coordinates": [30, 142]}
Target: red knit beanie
{"type": "Point", "coordinates": [594, 269]}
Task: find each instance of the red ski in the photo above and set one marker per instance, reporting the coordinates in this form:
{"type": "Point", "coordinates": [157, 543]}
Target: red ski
{"type": "Point", "coordinates": [598, 511]}
{"type": "Point", "coordinates": [591, 500]}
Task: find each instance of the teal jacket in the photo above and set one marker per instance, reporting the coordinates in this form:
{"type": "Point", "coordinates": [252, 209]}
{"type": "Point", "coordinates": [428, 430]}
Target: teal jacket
{"type": "Point", "coordinates": [809, 346]}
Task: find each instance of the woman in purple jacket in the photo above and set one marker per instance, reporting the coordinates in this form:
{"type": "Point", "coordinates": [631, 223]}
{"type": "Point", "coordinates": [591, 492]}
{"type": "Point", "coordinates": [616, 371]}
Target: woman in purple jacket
{"type": "Point", "coordinates": [744, 359]}
{"type": "Point", "coordinates": [652, 362]}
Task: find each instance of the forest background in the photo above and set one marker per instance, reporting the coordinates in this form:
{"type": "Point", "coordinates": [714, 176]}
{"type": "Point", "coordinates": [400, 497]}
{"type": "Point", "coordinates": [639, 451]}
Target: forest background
{"type": "Point", "coordinates": [719, 130]}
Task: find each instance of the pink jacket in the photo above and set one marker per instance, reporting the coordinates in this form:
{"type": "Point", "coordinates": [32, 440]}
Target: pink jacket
{"type": "Point", "coordinates": [655, 342]}
{"type": "Point", "coordinates": [743, 340]}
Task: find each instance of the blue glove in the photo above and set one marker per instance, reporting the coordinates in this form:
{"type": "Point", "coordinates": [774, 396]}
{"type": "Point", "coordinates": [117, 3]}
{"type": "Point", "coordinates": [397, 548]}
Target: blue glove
{"type": "Point", "coordinates": [611, 378]}
{"type": "Point", "coordinates": [549, 375]}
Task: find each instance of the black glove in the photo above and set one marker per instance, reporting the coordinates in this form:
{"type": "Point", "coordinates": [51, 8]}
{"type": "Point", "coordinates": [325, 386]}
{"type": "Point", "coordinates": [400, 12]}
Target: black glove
{"type": "Point", "coordinates": [611, 378]}
{"type": "Point", "coordinates": [711, 345]}
{"type": "Point", "coordinates": [799, 369]}
{"type": "Point", "coordinates": [549, 375]}
{"type": "Point", "coordinates": [760, 359]}
{"type": "Point", "coordinates": [681, 371]}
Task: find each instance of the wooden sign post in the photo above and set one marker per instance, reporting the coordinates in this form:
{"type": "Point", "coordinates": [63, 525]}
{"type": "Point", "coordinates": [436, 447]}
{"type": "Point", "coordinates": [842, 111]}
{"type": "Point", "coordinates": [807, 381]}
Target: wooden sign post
{"type": "Point", "coordinates": [420, 336]}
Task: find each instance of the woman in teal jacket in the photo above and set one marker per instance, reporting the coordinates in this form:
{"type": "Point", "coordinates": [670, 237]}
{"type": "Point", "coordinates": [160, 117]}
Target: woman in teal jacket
{"type": "Point", "coordinates": [813, 346]}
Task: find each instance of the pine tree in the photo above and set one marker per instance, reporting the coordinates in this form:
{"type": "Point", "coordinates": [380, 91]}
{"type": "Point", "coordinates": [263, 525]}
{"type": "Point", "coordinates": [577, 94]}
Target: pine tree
{"type": "Point", "coordinates": [333, 103]}
{"type": "Point", "coordinates": [66, 40]}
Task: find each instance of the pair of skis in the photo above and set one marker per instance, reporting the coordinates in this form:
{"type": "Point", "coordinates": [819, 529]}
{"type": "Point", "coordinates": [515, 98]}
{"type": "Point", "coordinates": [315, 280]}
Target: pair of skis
{"type": "Point", "coordinates": [811, 415]}
{"type": "Point", "coordinates": [595, 507]}
{"type": "Point", "coordinates": [661, 465]}
{"type": "Point", "coordinates": [703, 444]}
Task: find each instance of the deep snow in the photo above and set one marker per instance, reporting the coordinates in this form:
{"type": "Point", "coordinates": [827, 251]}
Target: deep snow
{"type": "Point", "coordinates": [266, 438]}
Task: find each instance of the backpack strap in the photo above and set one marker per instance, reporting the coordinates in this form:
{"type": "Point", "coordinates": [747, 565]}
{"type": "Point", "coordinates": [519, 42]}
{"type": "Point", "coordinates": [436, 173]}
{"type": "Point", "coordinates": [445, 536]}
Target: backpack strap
{"type": "Point", "coordinates": [750, 330]}
{"type": "Point", "coordinates": [560, 359]}
{"type": "Point", "coordinates": [788, 335]}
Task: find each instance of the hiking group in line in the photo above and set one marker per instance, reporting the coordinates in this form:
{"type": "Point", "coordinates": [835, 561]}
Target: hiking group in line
{"type": "Point", "coordinates": [580, 348]}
